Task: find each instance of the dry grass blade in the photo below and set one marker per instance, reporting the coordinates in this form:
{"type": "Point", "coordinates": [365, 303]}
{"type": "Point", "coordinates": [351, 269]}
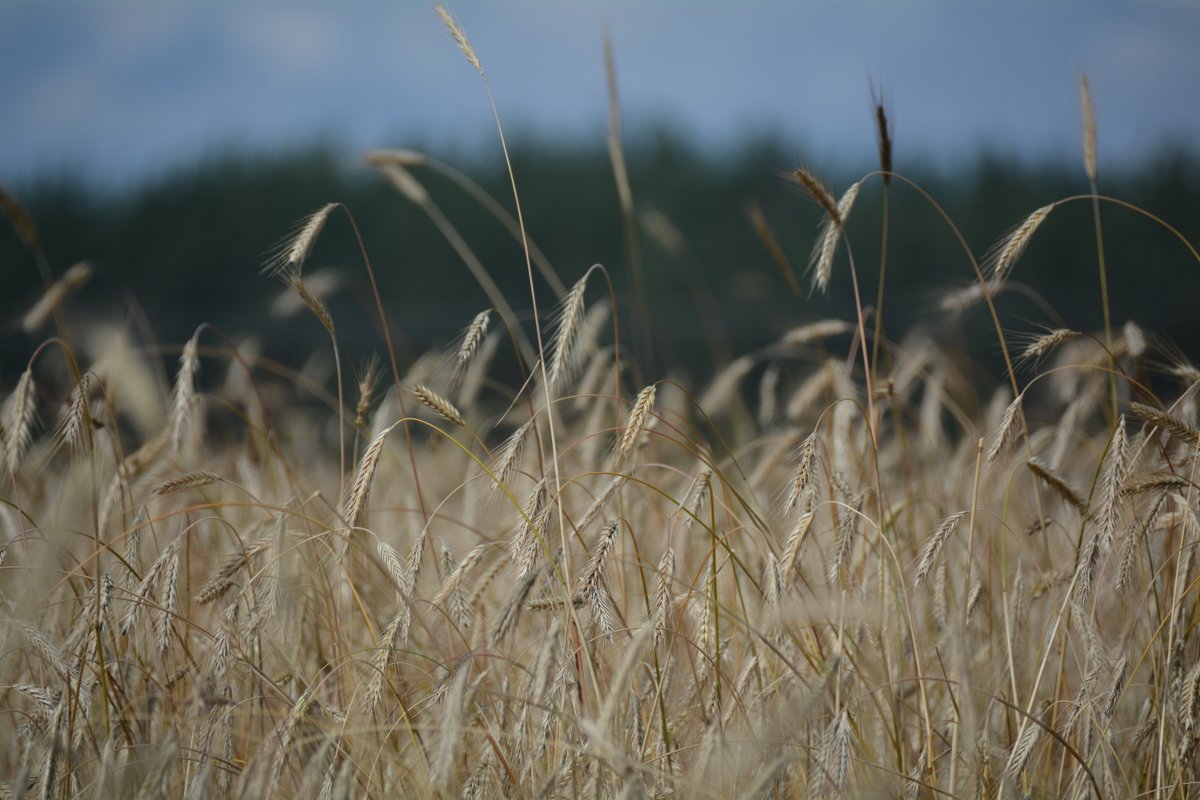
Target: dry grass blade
{"type": "Point", "coordinates": [1000, 260]}
{"type": "Point", "coordinates": [439, 405]}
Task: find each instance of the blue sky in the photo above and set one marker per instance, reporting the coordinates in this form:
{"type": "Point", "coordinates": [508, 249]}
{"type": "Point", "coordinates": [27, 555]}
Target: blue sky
{"type": "Point", "coordinates": [126, 88]}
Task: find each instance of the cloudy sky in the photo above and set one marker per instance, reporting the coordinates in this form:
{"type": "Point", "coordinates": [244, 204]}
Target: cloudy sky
{"type": "Point", "coordinates": [122, 89]}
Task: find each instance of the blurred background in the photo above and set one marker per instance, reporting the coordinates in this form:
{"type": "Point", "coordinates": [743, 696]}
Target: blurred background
{"type": "Point", "coordinates": [173, 145]}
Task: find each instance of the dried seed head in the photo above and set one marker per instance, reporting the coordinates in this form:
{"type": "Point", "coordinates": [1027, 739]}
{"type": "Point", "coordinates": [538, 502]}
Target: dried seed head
{"type": "Point", "coordinates": [183, 399]}
{"type": "Point", "coordinates": [831, 232]}
{"type": "Point", "coordinates": [356, 501]}
{"type": "Point", "coordinates": [883, 138]}
{"type": "Point", "coordinates": [1055, 482]}
{"type": "Point", "coordinates": [290, 257]}
{"type": "Point", "coordinates": [313, 303]}
{"type": "Point", "coordinates": [1135, 339]}
{"type": "Point", "coordinates": [508, 457]}
{"type": "Point", "coordinates": [74, 429]}
{"type": "Point", "coordinates": [1005, 254]}
{"type": "Point", "coordinates": [570, 316]}
{"type": "Point", "coordinates": [933, 546]}
{"type": "Point", "coordinates": [1008, 424]}
{"type": "Point", "coordinates": [1043, 344]}
{"type": "Point", "coordinates": [366, 389]}
{"type": "Point", "coordinates": [72, 279]}
{"type": "Point", "coordinates": [439, 405]}
{"type": "Point", "coordinates": [460, 37]}
{"type": "Point", "coordinates": [817, 191]}
{"type": "Point", "coordinates": [639, 416]}
{"type": "Point", "coordinates": [471, 338]}
{"type": "Point", "coordinates": [19, 411]}
{"type": "Point", "coordinates": [816, 331]}
{"type": "Point", "coordinates": [1089, 129]}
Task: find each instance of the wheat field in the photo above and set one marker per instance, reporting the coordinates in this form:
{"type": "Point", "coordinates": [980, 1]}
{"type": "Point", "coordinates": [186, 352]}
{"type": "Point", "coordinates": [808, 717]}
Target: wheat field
{"type": "Point", "coordinates": [840, 568]}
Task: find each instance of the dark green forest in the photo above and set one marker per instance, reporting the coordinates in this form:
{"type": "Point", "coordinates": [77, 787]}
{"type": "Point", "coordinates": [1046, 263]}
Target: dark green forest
{"type": "Point", "coordinates": [188, 247]}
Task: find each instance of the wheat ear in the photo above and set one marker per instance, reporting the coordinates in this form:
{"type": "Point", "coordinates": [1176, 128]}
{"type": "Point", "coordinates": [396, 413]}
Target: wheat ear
{"type": "Point", "coordinates": [356, 501]}
{"type": "Point", "coordinates": [1001, 259]}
